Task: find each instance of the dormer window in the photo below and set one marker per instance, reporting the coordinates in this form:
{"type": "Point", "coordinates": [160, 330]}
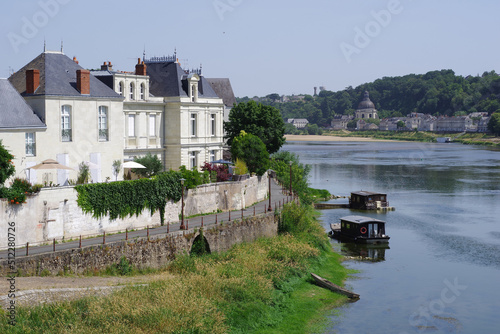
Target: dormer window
{"type": "Point", "coordinates": [121, 88]}
{"type": "Point", "coordinates": [132, 88]}
{"type": "Point", "coordinates": [193, 87]}
{"type": "Point", "coordinates": [143, 92]}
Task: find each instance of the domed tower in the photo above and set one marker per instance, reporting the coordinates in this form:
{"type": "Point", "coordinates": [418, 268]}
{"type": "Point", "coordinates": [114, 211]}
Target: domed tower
{"type": "Point", "coordinates": [366, 108]}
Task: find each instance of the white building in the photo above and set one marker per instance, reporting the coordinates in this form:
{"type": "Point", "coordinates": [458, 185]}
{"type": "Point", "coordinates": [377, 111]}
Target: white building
{"type": "Point", "coordinates": [83, 118]}
{"type": "Point", "coordinates": [193, 129]}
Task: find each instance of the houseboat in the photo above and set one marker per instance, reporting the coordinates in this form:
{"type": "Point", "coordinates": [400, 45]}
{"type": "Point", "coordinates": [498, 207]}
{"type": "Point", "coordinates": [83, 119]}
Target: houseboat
{"type": "Point", "coordinates": [443, 139]}
{"type": "Point", "coordinates": [360, 229]}
{"type": "Point", "coordinates": [367, 200]}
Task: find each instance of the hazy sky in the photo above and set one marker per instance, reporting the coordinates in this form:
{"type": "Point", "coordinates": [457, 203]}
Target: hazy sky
{"type": "Point", "coordinates": [264, 47]}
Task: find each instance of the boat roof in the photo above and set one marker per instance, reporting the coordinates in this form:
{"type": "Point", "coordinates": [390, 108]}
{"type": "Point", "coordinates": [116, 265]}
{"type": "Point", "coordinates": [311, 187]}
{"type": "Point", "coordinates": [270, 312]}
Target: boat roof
{"type": "Point", "coordinates": [361, 220]}
{"type": "Point", "coordinates": [366, 193]}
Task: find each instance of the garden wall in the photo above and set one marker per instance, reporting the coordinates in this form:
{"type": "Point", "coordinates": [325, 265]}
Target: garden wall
{"type": "Point", "coordinates": [54, 213]}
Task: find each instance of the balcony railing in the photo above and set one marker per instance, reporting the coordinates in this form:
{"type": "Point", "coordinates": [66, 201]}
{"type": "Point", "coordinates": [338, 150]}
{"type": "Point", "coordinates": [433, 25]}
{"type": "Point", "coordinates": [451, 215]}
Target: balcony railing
{"type": "Point", "coordinates": [103, 135]}
{"type": "Point", "coordinates": [66, 135]}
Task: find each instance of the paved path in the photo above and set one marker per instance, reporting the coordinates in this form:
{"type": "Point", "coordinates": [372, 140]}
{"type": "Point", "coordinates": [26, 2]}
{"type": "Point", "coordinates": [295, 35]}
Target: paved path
{"type": "Point", "coordinates": [277, 200]}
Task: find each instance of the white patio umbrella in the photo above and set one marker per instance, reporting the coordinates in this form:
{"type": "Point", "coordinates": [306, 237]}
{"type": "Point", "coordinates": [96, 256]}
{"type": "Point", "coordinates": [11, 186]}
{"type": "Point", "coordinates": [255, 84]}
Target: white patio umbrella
{"type": "Point", "coordinates": [91, 165]}
{"type": "Point", "coordinates": [50, 164]}
{"type": "Point", "coordinates": [132, 164]}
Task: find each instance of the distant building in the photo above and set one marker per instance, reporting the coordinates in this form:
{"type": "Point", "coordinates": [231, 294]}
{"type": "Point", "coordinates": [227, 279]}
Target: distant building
{"type": "Point", "coordinates": [339, 122]}
{"type": "Point", "coordinates": [299, 123]}
{"type": "Point", "coordinates": [366, 108]}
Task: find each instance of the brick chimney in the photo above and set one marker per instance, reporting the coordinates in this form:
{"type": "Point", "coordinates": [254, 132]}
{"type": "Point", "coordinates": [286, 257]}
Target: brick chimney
{"type": "Point", "coordinates": [106, 66]}
{"type": "Point", "coordinates": [83, 81]}
{"type": "Point", "coordinates": [140, 68]}
{"type": "Point", "coordinates": [32, 81]}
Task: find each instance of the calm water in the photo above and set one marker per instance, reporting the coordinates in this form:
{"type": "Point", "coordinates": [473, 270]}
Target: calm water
{"type": "Point", "coordinates": [441, 272]}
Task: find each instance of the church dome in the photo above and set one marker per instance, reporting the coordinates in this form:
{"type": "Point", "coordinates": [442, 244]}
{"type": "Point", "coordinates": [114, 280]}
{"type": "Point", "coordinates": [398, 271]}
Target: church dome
{"type": "Point", "coordinates": [366, 103]}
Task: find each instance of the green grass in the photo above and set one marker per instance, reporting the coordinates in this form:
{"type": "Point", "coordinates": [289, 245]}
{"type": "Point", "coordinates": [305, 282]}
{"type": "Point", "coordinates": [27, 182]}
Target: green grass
{"type": "Point", "coordinates": [260, 287]}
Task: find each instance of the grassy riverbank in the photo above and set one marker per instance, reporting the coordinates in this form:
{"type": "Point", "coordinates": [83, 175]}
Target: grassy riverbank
{"type": "Point", "coordinates": [467, 138]}
{"type": "Point", "coordinates": [263, 287]}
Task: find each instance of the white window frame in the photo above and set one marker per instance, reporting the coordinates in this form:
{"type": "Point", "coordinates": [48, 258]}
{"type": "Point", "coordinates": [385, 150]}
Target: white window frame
{"type": "Point", "coordinates": [213, 124]}
{"type": "Point", "coordinates": [121, 88]}
{"type": "Point", "coordinates": [193, 159]}
{"type": "Point", "coordinates": [66, 123]}
{"type": "Point", "coordinates": [131, 125]}
{"type": "Point", "coordinates": [102, 123]}
{"type": "Point", "coordinates": [193, 124]}
{"type": "Point", "coordinates": [212, 155]}
{"type": "Point", "coordinates": [30, 139]}
{"type": "Point", "coordinates": [152, 125]}
{"type": "Point", "coordinates": [143, 91]}
{"type": "Point", "coordinates": [132, 91]}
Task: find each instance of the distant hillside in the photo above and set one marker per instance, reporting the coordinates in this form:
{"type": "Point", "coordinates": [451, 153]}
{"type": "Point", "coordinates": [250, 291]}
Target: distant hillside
{"type": "Point", "coordinates": [437, 93]}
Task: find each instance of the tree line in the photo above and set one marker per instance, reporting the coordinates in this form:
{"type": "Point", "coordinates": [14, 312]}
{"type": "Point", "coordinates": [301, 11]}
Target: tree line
{"type": "Point", "coordinates": [437, 93]}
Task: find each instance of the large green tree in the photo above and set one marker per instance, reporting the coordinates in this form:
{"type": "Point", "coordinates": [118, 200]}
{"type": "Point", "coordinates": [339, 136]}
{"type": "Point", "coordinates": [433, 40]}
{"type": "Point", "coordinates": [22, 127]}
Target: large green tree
{"type": "Point", "coordinates": [494, 123]}
{"type": "Point", "coordinates": [151, 162]}
{"type": "Point", "coordinates": [262, 121]}
{"type": "Point", "coordinates": [252, 151]}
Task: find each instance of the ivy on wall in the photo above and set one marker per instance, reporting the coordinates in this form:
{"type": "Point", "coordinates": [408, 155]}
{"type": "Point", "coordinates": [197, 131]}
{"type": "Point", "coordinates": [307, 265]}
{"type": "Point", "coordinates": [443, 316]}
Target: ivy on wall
{"type": "Point", "coordinates": [126, 198]}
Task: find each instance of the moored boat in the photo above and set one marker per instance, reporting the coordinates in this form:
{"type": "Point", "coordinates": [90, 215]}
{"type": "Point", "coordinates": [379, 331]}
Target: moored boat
{"type": "Point", "coordinates": [360, 229]}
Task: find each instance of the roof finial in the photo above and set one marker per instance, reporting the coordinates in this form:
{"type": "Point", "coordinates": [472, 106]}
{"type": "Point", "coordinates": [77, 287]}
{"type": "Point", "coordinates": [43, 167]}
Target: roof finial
{"type": "Point", "coordinates": [61, 46]}
{"type": "Point", "coordinates": [44, 46]}
{"type": "Point", "coordinates": [201, 67]}
{"type": "Point", "coordinates": [144, 53]}
{"type": "Point", "coordinates": [175, 52]}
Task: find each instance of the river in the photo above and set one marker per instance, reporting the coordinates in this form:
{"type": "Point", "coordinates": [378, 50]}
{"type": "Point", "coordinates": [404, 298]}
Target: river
{"type": "Point", "coordinates": [441, 272]}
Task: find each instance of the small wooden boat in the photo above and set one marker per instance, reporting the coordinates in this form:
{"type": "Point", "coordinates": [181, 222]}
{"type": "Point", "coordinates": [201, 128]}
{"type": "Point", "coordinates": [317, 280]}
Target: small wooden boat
{"type": "Point", "coordinates": [324, 283]}
{"type": "Point", "coordinates": [360, 229]}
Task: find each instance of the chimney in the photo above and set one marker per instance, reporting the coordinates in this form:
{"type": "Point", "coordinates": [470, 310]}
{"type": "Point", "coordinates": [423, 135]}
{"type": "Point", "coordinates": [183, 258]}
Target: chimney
{"type": "Point", "coordinates": [106, 66]}
{"type": "Point", "coordinates": [32, 81]}
{"type": "Point", "coordinates": [83, 81]}
{"type": "Point", "coordinates": [140, 68]}
{"type": "Point", "coordinates": [74, 59]}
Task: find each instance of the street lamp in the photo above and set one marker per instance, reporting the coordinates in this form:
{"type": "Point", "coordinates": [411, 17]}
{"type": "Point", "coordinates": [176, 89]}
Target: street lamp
{"type": "Point", "coordinates": [182, 227]}
{"type": "Point", "coordinates": [269, 177]}
{"type": "Point", "coordinates": [290, 163]}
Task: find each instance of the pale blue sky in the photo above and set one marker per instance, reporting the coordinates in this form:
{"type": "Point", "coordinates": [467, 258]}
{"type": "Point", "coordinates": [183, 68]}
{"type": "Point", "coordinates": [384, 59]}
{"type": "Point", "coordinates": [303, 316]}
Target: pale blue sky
{"type": "Point", "coordinates": [284, 47]}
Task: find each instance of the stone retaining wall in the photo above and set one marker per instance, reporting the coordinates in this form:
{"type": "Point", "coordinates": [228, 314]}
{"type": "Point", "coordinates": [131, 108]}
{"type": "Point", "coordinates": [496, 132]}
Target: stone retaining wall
{"type": "Point", "coordinates": [155, 253]}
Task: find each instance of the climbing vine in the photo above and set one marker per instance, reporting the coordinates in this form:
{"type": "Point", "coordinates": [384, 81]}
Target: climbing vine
{"type": "Point", "coordinates": [126, 198]}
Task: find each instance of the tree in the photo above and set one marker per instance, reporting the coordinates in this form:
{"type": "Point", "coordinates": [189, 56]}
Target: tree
{"type": "Point", "coordinates": [401, 125]}
{"type": "Point", "coordinates": [273, 97]}
{"type": "Point", "coordinates": [352, 124]}
{"type": "Point", "coordinates": [252, 151]}
{"type": "Point", "coordinates": [494, 124]}
{"type": "Point", "coordinates": [151, 162]}
{"type": "Point", "coordinates": [262, 121]}
{"type": "Point", "coordinates": [7, 168]}
{"type": "Point", "coordinates": [117, 166]}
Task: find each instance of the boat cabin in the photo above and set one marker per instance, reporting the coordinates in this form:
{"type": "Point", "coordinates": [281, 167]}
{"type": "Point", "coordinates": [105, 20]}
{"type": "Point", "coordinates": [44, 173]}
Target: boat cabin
{"type": "Point", "coordinates": [367, 200]}
{"type": "Point", "coordinates": [363, 229]}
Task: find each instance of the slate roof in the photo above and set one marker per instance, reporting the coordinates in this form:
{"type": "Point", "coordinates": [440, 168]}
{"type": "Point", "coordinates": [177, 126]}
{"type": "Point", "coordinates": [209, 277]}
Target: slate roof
{"type": "Point", "coordinates": [168, 79]}
{"type": "Point", "coordinates": [15, 113]}
{"type": "Point", "coordinates": [58, 78]}
{"type": "Point", "coordinates": [223, 88]}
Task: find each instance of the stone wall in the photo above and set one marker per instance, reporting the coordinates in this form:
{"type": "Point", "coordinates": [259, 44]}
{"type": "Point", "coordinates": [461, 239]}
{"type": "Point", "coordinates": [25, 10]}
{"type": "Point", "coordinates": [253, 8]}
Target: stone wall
{"type": "Point", "coordinates": [155, 253]}
{"type": "Point", "coordinates": [54, 213]}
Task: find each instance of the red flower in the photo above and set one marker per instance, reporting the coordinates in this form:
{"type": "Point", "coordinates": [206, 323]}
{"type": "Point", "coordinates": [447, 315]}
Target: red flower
{"type": "Point", "coordinates": [12, 201]}
{"type": "Point", "coordinates": [17, 202]}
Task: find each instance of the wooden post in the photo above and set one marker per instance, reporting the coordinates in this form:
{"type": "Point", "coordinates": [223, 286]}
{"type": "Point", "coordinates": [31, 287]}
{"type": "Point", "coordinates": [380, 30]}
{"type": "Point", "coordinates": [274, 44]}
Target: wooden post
{"type": "Point", "coordinates": [147, 231]}
{"type": "Point", "coordinates": [54, 245]}
{"type": "Point", "coordinates": [27, 248]}
{"type": "Point", "coordinates": [229, 214]}
{"type": "Point", "coordinates": [104, 238]}
{"type": "Point", "coordinates": [241, 213]}
{"type": "Point", "coordinates": [126, 234]}
{"type": "Point", "coordinates": [168, 227]}
{"type": "Point", "coordinates": [80, 244]}
{"type": "Point", "coordinates": [201, 221]}
{"type": "Point", "coordinates": [215, 219]}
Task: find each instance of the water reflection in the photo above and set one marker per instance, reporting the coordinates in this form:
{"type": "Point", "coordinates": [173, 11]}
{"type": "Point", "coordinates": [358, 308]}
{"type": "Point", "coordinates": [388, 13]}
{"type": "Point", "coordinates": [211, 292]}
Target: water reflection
{"type": "Point", "coordinates": [363, 252]}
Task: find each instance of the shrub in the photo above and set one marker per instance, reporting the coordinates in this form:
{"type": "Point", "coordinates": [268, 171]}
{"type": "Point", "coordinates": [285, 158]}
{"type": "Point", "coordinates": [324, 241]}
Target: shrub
{"type": "Point", "coordinates": [220, 170]}
{"type": "Point", "coordinates": [240, 167]}
{"type": "Point", "coordinates": [194, 178]}
{"type": "Point", "coordinates": [151, 162]}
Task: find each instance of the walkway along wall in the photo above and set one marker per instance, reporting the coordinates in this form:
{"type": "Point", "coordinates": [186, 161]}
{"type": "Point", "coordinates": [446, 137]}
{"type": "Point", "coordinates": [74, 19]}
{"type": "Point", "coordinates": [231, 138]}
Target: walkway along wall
{"type": "Point", "coordinates": [54, 213]}
{"type": "Point", "coordinates": [155, 253]}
